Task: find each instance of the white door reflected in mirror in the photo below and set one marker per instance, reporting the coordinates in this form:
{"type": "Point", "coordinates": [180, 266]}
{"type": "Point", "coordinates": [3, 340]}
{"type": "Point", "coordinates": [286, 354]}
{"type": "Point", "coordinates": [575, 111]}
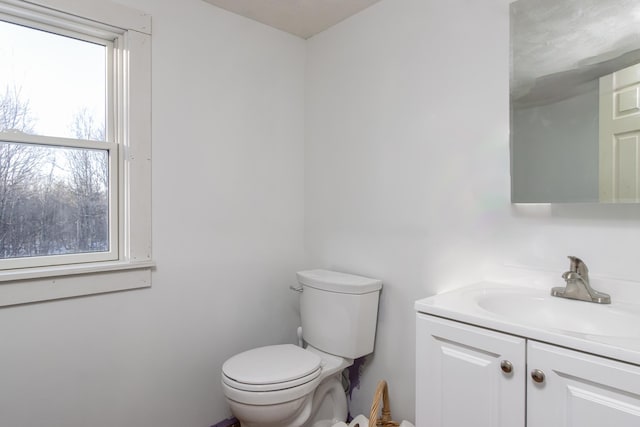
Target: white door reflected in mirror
{"type": "Point", "coordinates": [619, 178]}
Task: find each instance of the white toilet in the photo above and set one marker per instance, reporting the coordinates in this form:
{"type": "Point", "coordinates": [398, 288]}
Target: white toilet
{"type": "Point", "coordinates": [290, 386]}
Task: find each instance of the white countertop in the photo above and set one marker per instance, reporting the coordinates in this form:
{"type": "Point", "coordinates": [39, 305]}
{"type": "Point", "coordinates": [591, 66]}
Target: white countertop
{"type": "Point", "coordinates": [620, 341]}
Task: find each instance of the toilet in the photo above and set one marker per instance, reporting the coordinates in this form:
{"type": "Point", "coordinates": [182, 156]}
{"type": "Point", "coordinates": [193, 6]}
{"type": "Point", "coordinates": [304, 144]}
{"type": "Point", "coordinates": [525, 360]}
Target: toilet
{"type": "Point", "coordinates": [290, 386]}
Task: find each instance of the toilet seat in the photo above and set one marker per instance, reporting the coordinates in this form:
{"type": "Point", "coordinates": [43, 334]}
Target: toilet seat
{"type": "Point", "coordinates": [271, 375]}
{"type": "Point", "coordinates": [271, 368]}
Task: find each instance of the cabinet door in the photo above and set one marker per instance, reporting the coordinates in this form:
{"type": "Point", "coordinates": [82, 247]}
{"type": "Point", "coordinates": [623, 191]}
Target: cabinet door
{"type": "Point", "coordinates": [460, 381]}
{"type": "Point", "coordinates": [581, 390]}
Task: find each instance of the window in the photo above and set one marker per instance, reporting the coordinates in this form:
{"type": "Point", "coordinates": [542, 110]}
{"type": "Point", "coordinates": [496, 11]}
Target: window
{"type": "Point", "coordinates": [74, 149]}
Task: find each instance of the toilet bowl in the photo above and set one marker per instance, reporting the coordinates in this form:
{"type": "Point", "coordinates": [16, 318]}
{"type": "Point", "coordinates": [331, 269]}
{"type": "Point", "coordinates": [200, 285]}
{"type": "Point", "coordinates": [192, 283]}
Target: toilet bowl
{"type": "Point", "coordinates": [291, 386]}
{"type": "Point", "coordinates": [284, 385]}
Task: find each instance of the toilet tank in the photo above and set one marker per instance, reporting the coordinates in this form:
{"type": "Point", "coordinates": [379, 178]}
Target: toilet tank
{"type": "Point", "coordinates": [339, 312]}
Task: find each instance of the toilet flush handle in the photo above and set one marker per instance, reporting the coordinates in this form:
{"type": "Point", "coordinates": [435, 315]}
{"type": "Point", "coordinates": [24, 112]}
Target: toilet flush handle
{"type": "Point", "coordinates": [293, 288]}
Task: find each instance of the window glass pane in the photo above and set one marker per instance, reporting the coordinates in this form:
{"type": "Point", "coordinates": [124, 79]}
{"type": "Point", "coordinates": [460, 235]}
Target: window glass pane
{"type": "Point", "coordinates": [50, 84]}
{"type": "Point", "coordinates": [53, 200]}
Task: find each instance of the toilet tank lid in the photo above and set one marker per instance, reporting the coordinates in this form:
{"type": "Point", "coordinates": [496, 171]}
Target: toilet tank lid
{"type": "Point", "coordinates": [334, 281]}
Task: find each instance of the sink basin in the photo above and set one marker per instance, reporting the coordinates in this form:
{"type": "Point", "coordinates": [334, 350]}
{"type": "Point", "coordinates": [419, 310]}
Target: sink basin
{"type": "Point", "coordinates": [536, 308]}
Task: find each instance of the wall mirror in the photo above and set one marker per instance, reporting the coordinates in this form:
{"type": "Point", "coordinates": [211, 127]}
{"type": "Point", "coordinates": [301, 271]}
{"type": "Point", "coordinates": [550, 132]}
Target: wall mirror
{"type": "Point", "coordinates": [575, 101]}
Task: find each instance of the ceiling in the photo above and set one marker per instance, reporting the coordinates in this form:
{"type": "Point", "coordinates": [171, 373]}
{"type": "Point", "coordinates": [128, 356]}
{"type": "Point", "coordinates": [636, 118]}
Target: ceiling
{"type": "Point", "coordinates": [303, 18]}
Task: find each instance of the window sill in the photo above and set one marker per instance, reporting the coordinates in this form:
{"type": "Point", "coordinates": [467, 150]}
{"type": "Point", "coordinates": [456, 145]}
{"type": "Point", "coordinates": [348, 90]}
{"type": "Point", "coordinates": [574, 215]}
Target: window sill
{"type": "Point", "coordinates": [68, 270]}
{"type": "Point", "coordinates": [43, 284]}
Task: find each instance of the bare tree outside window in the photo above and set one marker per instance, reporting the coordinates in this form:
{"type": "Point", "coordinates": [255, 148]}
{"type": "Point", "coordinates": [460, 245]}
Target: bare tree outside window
{"type": "Point", "coordinates": [84, 126]}
{"type": "Point", "coordinates": [15, 114]}
{"type": "Point", "coordinates": [53, 200]}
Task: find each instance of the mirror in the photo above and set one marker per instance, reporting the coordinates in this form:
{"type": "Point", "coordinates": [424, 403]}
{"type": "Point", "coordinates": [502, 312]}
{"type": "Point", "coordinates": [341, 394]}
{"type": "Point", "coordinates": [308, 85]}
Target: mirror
{"type": "Point", "coordinates": [560, 51]}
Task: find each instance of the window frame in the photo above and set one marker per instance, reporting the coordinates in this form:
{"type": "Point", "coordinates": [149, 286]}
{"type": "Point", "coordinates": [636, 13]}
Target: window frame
{"type": "Point", "coordinates": [129, 264]}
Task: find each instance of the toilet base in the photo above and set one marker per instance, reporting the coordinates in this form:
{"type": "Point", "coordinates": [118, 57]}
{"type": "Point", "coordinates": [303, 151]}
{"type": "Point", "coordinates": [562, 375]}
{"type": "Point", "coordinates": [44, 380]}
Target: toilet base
{"type": "Point", "coordinates": [287, 414]}
{"type": "Point", "coordinates": [329, 403]}
{"type": "Point", "coordinates": [324, 407]}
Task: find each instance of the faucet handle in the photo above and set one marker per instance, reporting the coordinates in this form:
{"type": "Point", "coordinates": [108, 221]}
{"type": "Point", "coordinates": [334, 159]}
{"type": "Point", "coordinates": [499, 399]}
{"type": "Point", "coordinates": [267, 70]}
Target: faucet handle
{"type": "Point", "coordinates": [578, 266]}
{"type": "Point", "coordinates": [574, 263]}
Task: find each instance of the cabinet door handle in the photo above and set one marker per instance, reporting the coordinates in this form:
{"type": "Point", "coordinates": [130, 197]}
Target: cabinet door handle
{"type": "Point", "coordinates": [537, 375]}
{"type": "Point", "coordinates": [506, 366]}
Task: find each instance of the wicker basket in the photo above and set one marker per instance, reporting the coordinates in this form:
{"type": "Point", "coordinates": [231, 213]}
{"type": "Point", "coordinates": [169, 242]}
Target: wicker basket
{"type": "Point", "coordinates": [381, 396]}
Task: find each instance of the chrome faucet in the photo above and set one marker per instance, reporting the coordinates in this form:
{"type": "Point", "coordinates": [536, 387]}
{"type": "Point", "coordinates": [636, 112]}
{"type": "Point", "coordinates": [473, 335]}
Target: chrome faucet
{"type": "Point", "coordinates": [578, 286]}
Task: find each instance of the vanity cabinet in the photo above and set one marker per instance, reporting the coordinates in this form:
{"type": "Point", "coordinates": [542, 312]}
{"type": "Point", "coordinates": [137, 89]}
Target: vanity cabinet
{"type": "Point", "coordinates": [471, 376]}
{"type": "Point", "coordinates": [468, 376]}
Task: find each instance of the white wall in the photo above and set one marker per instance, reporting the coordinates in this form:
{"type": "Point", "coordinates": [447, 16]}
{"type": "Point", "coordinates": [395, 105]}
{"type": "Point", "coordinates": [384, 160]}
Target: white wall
{"type": "Point", "coordinates": [406, 159]}
{"type": "Point", "coordinates": [228, 117]}
{"type": "Point", "coordinates": [407, 170]}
